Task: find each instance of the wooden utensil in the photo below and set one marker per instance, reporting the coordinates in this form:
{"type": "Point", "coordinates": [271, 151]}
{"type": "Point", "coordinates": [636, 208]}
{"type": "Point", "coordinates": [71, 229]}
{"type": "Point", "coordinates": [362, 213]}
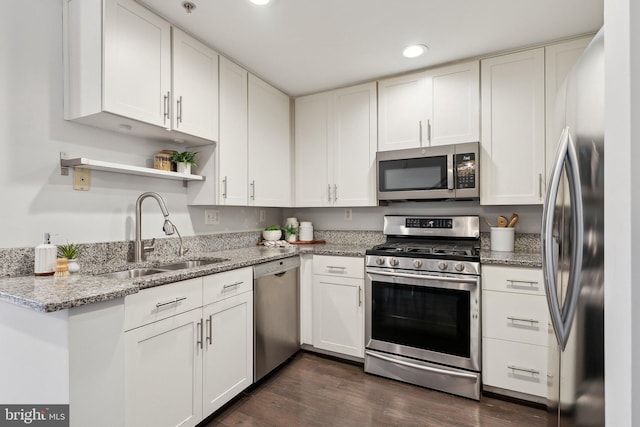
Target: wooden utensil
{"type": "Point", "coordinates": [487, 221]}
{"type": "Point", "coordinates": [502, 221]}
{"type": "Point", "coordinates": [513, 220]}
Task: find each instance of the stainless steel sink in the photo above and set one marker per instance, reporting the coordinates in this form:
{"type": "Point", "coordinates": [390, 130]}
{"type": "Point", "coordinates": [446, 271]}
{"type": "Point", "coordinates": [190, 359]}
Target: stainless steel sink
{"type": "Point", "coordinates": [133, 273]}
{"type": "Point", "coordinates": [190, 264]}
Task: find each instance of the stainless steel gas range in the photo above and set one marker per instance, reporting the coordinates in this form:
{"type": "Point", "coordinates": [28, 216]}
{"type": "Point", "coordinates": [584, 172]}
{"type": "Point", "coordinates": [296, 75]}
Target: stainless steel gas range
{"type": "Point", "coordinates": [422, 296]}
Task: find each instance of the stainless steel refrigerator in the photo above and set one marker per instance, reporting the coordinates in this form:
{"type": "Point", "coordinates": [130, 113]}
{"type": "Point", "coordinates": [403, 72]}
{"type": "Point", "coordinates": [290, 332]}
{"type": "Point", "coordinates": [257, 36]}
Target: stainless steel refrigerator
{"type": "Point", "coordinates": [573, 249]}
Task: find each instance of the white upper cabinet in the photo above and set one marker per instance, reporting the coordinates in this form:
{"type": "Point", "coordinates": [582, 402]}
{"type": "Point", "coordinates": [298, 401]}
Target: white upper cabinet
{"type": "Point", "coordinates": [559, 59]}
{"type": "Point", "coordinates": [195, 87]}
{"type": "Point", "coordinates": [232, 147]}
{"type": "Point", "coordinates": [335, 147]}
{"type": "Point", "coordinates": [435, 107]}
{"type": "Point", "coordinates": [269, 145]}
{"type": "Point", "coordinates": [118, 73]}
{"type": "Point", "coordinates": [453, 111]}
{"type": "Point", "coordinates": [137, 62]}
{"type": "Point", "coordinates": [402, 112]}
{"type": "Point", "coordinates": [512, 155]}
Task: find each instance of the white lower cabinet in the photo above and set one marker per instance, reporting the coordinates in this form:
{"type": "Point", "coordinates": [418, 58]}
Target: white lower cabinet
{"type": "Point", "coordinates": [338, 304]}
{"type": "Point", "coordinates": [182, 362]}
{"type": "Point", "coordinates": [515, 332]}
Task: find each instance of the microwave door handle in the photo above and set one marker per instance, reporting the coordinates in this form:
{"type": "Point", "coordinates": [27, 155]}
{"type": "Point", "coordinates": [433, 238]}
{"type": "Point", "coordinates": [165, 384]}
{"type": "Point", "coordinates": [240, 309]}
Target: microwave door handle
{"type": "Point", "coordinates": [450, 172]}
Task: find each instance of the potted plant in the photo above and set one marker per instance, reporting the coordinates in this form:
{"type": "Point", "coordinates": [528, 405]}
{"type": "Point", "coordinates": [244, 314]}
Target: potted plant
{"type": "Point", "coordinates": [184, 160]}
{"type": "Point", "coordinates": [291, 232]}
{"type": "Point", "coordinates": [71, 252]}
{"type": "Point", "coordinates": [272, 233]}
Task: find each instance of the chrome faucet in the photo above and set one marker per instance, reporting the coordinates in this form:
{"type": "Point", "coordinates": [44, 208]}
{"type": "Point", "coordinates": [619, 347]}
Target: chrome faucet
{"type": "Point", "coordinates": [140, 250]}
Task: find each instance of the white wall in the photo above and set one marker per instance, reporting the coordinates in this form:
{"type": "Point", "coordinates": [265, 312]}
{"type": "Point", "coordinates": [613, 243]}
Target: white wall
{"type": "Point", "coordinates": [371, 218]}
{"type": "Point", "coordinates": [36, 197]}
{"type": "Point", "coordinates": [622, 210]}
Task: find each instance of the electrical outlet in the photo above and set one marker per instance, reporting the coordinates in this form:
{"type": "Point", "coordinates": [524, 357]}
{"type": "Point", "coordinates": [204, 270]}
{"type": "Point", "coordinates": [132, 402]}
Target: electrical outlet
{"type": "Point", "coordinates": [81, 179]}
{"type": "Point", "coordinates": [348, 215]}
{"type": "Point", "coordinates": [263, 215]}
{"type": "Point", "coordinates": [211, 216]}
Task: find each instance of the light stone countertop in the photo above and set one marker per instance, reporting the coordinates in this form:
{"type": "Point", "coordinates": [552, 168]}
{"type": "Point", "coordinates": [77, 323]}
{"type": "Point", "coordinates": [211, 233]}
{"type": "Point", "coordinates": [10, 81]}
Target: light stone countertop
{"type": "Point", "coordinates": [519, 259]}
{"type": "Point", "coordinates": [48, 294]}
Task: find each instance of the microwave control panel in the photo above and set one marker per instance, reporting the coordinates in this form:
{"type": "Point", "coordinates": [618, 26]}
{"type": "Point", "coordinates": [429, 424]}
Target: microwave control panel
{"type": "Point", "coordinates": [465, 165]}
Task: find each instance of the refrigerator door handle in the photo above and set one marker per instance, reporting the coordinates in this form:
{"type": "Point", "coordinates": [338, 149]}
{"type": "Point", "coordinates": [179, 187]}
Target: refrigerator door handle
{"type": "Point", "coordinates": [562, 318]}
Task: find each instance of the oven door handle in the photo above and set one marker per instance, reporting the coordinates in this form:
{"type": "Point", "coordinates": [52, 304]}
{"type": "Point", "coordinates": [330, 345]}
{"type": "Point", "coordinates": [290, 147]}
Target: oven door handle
{"type": "Point", "coordinates": [471, 281]}
{"type": "Point", "coordinates": [421, 367]}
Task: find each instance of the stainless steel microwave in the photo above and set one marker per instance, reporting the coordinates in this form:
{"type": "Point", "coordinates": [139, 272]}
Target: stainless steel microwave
{"type": "Point", "coordinates": [427, 173]}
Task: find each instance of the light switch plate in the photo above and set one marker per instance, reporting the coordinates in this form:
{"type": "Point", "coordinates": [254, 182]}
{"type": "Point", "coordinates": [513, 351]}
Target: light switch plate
{"type": "Point", "coordinates": [263, 215]}
{"type": "Point", "coordinates": [348, 214]}
{"type": "Point", "coordinates": [81, 179]}
{"type": "Point", "coordinates": [211, 216]}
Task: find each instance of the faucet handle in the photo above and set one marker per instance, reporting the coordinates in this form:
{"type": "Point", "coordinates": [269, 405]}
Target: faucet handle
{"type": "Point", "coordinates": [182, 251]}
{"type": "Point", "coordinates": [149, 248]}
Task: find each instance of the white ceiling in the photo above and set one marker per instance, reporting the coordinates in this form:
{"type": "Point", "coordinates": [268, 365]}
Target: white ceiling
{"type": "Point", "coordinates": [304, 46]}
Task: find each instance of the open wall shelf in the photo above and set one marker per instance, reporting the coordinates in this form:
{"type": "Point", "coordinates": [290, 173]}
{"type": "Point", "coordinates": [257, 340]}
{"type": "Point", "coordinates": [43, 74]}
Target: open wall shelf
{"type": "Point", "coordinates": [99, 165]}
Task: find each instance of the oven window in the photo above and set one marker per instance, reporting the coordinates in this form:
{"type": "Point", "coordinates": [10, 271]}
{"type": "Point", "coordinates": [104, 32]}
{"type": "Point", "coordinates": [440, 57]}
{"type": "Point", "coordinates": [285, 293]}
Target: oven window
{"type": "Point", "coordinates": [427, 318]}
{"type": "Point", "coordinates": [425, 173]}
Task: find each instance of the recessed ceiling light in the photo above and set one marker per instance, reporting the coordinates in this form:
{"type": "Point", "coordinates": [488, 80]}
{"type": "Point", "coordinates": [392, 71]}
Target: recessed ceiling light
{"type": "Point", "coordinates": [260, 2]}
{"type": "Point", "coordinates": [414, 50]}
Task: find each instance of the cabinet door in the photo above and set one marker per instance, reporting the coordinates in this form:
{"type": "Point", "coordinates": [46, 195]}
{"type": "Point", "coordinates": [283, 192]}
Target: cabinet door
{"type": "Point", "coordinates": [137, 63]}
{"type": "Point", "coordinates": [195, 87]}
{"type": "Point", "coordinates": [402, 112]}
{"type": "Point", "coordinates": [512, 155]}
{"type": "Point", "coordinates": [338, 321]}
{"type": "Point", "coordinates": [232, 147]}
{"type": "Point", "coordinates": [163, 372]}
{"type": "Point", "coordinates": [559, 59]}
{"type": "Point", "coordinates": [353, 148]}
{"type": "Point", "coordinates": [269, 145]}
{"type": "Point", "coordinates": [453, 111]}
{"type": "Point", "coordinates": [312, 137]}
{"type": "Point", "coordinates": [228, 356]}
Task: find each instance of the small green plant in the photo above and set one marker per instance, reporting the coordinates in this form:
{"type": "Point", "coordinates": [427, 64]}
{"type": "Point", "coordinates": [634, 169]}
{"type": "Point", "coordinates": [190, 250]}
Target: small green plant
{"type": "Point", "coordinates": [290, 229]}
{"type": "Point", "coordinates": [69, 251]}
{"type": "Point", "coordinates": [272, 228]}
{"type": "Point", "coordinates": [187, 157]}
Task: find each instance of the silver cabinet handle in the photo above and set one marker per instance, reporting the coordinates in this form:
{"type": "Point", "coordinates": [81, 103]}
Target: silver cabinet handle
{"type": "Point", "coordinates": [359, 296]}
{"type": "Point", "coordinates": [429, 131]}
{"type": "Point", "coordinates": [450, 172]}
{"type": "Point", "coordinates": [224, 186]}
{"type": "Point", "coordinates": [232, 285]}
{"type": "Point", "coordinates": [540, 185]}
{"type": "Point", "coordinates": [422, 368]}
{"type": "Point", "coordinates": [173, 301]}
{"type": "Point", "coordinates": [336, 267]}
{"type": "Point", "coordinates": [522, 319]}
{"type": "Point", "coordinates": [165, 106]}
{"type": "Point", "coordinates": [329, 193]}
{"type": "Point", "coordinates": [522, 283]}
{"type": "Point", "coordinates": [528, 370]}
{"type": "Point", "coordinates": [199, 332]}
{"type": "Point", "coordinates": [253, 189]}
{"type": "Point", "coordinates": [420, 131]}
{"type": "Point", "coordinates": [209, 331]}
{"type": "Point", "coordinates": [179, 112]}
{"type": "Point", "coordinates": [335, 192]}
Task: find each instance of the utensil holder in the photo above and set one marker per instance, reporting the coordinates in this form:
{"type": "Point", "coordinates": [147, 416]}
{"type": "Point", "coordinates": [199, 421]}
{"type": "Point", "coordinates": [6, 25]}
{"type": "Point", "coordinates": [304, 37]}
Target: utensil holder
{"type": "Point", "coordinates": [502, 239]}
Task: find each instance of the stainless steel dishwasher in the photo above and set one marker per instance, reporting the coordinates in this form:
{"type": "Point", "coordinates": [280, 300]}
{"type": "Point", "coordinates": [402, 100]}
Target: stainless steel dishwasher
{"type": "Point", "coordinates": [276, 314]}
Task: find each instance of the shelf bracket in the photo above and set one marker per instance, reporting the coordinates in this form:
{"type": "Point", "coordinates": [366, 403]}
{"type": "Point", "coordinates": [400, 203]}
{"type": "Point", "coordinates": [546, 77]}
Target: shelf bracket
{"type": "Point", "coordinates": [64, 170]}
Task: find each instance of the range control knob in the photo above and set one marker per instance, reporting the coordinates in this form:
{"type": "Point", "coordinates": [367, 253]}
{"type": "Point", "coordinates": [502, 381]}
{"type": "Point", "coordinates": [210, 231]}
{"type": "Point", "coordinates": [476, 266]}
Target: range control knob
{"type": "Point", "coordinates": [379, 260]}
{"type": "Point", "coordinates": [459, 266]}
{"type": "Point", "coordinates": [417, 263]}
{"type": "Point", "coordinates": [442, 265]}
{"type": "Point", "coordinates": [394, 262]}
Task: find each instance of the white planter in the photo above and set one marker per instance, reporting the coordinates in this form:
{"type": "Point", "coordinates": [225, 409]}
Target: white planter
{"type": "Point", "coordinates": [184, 168]}
{"type": "Point", "coordinates": [74, 267]}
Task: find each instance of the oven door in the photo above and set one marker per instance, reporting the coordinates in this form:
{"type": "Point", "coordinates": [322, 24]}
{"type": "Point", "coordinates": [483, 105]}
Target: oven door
{"type": "Point", "coordinates": [429, 317]}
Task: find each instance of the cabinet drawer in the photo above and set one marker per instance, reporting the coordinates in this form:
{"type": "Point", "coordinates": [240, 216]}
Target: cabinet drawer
{"type": "Point", "coordinates": [224, 285]}
{"type": "Point", "coordinates": [153, 304]}
{"type": "Point", "coordinates": [513, 279]}
{"type": "Point", "coordinates": [338, 266]}
{"type": "Point", "coordinates": [515, 317]}
{"type": "Point", "coordinates": [515, 366]}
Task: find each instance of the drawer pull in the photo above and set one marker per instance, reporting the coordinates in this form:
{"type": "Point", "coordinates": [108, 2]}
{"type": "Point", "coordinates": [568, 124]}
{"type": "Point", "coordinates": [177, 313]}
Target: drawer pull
{"type": "Point", "coordinates": [335, 267]}
{"type": "Point", "coordinates": [232, 285]}
{"type": "Point", "coordinates": [209, 332]}
{"type": "Point", "coordinates": [530, 371]}
{"type": "Point", "coordinates": [522, 319]}
{"type": "Point", "coordinates": [199, 331]}
{"type": "Point", "coordinates": [173, 301]}
{"type": "Point", "coordinates": [521, 283]}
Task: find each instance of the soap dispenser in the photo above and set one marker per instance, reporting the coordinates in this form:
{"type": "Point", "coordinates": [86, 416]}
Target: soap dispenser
{"type": "Point", "coordinates": [45, 257]}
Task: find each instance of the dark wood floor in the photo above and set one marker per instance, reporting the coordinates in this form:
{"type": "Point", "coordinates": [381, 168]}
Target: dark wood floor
{"type": "Point", "coordinates": [315, 391]}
